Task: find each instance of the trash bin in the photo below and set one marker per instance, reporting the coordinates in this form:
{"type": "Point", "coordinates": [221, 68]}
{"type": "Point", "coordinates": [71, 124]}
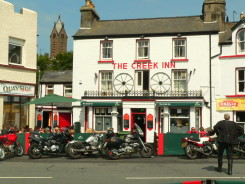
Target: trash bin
{"type": "Point", "coordinates": [77, 127]}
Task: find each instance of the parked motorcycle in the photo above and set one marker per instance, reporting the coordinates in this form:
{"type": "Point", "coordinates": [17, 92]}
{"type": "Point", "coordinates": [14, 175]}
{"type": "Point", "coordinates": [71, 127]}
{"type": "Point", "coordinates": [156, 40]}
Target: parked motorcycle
{"type": "Point", "coordinates": [115, 147]}
{"type": "Point", "coordinates": [9, 144]}
{"type": "Point", "coordinates": [239, 149]}
{"type": "Point", "coordinates": [92, 145]}
{"type": "Point", "coordinates": [198, 147]}
{"type": "Point", "coordinates": [54, 144]}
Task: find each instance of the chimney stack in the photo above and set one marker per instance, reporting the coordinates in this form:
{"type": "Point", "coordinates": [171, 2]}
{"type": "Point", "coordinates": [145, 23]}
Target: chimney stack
{"type": "Point", "coordinates": [88, 15]}
{"type": "Point", "coordinates": [242, 15]}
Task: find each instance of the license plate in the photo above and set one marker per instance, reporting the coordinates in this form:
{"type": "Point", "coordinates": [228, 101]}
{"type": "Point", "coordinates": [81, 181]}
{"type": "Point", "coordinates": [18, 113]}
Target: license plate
{"type": "Point", "coordinates": [184, 144]}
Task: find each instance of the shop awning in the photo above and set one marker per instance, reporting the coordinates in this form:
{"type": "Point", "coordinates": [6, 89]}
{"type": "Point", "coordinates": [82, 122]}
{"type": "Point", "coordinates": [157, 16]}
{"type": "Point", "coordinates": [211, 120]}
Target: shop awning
{"type": "Point", "coordinates": [101, 104]}
{"type": "Point", "coordinates": [179, 104]}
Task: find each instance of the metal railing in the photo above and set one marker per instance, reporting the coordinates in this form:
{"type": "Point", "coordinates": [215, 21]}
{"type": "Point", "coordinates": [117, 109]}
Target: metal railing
{"type": "Point", "coordinates": [190, 93]}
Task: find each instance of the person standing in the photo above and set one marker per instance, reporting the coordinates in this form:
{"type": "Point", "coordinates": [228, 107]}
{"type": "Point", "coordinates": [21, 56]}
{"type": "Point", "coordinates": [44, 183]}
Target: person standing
{"type": "Point", "coordinates": [228, 133]}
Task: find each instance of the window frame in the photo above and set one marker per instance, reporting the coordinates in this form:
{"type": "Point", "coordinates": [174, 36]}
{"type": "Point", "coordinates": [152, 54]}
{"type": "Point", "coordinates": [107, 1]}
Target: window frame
{"type": "Point", "coordinates": [106, 80]}
{"type": "Point", "coordinates": [185, 46]}
{"type": "Point", "coordinates": [238, 48]}
{"type": "Point", "coordinates": [102, 58]}
{"type": "Point", "coordinates": [179, 116]}
{"type": "Point", "coordinates": [148, 50]}
{"type": "Point", "coordinates": [173, 79]}
{"type": "Point", "coordinates": [47, 89]}
{"type": "Point", "coordinates": [240, 81]}
{"type": "Point", "coordinates": [67, 88]}
{"type": "Point", "coordinates": [104, 115]}
{"type": "Point", "coordinates": [17, 43]}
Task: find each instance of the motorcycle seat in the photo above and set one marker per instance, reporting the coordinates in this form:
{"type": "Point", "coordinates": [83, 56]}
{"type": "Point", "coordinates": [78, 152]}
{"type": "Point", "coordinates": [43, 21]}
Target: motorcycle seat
{"type": "Point", "coordinates": [195, 139]}
{"type": "Point", "coordinates": [242, 140]}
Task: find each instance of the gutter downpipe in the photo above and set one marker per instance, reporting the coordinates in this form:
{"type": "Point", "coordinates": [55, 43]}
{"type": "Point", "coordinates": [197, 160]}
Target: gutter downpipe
{"type": "Point", "coordinates": [210, 76]}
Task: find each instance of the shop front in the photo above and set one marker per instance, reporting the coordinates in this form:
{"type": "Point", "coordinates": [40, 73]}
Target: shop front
{"type": "Point", "coordinates": [235, 106]}
{"type": "Point", "coordinates": [13, 96]}
{"type": "Point", "coordinates": [151, 115]}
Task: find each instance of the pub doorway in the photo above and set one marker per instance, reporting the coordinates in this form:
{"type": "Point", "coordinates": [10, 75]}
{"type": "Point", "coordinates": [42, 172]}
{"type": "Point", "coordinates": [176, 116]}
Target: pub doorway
{"type": "Point", "coordinates": [139, 116]}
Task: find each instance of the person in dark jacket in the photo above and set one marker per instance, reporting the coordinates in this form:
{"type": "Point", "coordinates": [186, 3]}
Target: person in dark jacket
{"type": "Point", "coordinates": [228, 133]}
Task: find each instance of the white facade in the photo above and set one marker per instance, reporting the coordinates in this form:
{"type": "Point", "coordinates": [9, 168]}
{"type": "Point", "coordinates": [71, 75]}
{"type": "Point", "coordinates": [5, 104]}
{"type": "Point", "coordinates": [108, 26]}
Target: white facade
{"type": "Point", "coordinates": [229, 96]}
{"type": "Point", "coordinates": [153, 72]}
{"type": "Point", "coordinates": [18, 45]}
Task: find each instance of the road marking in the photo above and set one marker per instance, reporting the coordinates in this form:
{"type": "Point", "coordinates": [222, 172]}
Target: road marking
{"type": "Point", "coordinates": [26, 177]}
{"type": "Point", "coordinates": [160, 178]}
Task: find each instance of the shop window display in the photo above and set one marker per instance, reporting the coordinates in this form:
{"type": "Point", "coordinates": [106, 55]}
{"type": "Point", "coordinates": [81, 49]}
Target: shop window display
{"type": "Point", "coordinates": [240, 118]}
{"type": "Point", "coordinates": [103, 119]}
{"type": "Point", "coordinates": [179, 120]}
{"type": "Point", "coordinates": [15, 113]}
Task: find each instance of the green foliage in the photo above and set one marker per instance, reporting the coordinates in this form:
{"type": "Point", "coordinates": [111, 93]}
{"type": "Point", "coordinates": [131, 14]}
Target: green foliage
{"type": "Point", "coordinates": [62, 61]}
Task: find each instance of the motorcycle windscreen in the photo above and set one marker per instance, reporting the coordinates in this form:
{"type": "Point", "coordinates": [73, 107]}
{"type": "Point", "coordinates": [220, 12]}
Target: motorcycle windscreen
{"type": "Point", "coordinates": [139, 130]}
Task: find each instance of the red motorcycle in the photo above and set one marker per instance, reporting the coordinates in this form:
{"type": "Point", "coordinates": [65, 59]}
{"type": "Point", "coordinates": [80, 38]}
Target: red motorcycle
{"type": "Point", "coordinates": [198, 147]}
{"type": "Point", "coordinates": [9, 144]}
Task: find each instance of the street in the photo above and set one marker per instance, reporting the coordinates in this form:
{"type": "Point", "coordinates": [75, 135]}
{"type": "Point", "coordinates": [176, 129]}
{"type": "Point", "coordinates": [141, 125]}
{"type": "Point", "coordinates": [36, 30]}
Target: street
{"type": "Point", "coordinates": [97, 170]}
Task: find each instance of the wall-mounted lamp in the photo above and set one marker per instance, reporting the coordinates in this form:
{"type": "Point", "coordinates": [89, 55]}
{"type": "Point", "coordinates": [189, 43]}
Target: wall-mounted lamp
{"type": "Point", "coordinates": [96, 75]}
{"type": "Point", "coordinates": [80, 82]}
{"type": "Point", "coordinates": [165, 114]}
{"type": "Point", "coordinates": [179, 35]}
{"type": "Point", "coordinates": [114, 113]}
{"type": "Point", "coordinates": [142, 37]}
{"type": "Point", "coordinates": [106, 38]}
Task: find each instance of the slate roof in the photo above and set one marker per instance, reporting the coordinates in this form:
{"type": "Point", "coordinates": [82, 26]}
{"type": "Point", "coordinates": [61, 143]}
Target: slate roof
{"type": "Point", "coordinates": [151, 26]}
{"type": "Point", "coordinates": [57, 77]}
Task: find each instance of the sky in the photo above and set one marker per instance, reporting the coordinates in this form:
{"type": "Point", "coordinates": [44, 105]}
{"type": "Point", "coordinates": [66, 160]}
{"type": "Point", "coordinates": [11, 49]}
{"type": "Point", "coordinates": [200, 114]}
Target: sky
{"type": "Point", "coordinates": [69, 10]}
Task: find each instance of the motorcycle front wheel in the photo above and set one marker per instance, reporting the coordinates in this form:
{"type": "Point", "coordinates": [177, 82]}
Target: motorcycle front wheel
{"type": "Point", "coordinates": [190, 151]}
{"type": "Point", "coordinates": [34, 152]}
{"type": "Point", "coordinates": [2, 153]}
{"type": "Point", "coordinates": [71, 153]}
{"type": "Point", "coordinates": [148, 152]}
{"type": "Point", "coordinates": [112, 155]}
{"type": "Point", "coordinates": [18, 150]}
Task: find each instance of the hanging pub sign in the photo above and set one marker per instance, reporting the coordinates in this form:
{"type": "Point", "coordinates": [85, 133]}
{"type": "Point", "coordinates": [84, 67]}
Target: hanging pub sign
{"type": "Point", "coordinates": [150, 122]}
{"type": "Point", "coordinates": [17, 89]}
{"type": "Point", "coordinates": [234, 104]}
{"type": "Point", "coordinates": [126, 121]}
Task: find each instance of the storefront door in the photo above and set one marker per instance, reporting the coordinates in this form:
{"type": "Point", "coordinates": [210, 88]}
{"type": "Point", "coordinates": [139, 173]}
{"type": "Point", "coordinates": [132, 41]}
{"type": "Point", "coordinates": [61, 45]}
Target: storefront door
{"type": "Point", "coordinates": [64, 119]}
{"type": "Point", "coordinates": [139, 117]}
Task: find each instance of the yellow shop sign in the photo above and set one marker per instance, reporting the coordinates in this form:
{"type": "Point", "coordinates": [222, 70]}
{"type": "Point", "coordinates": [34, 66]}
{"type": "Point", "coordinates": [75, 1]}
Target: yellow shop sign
{"type": "Point", "coordinates": [234, 104]}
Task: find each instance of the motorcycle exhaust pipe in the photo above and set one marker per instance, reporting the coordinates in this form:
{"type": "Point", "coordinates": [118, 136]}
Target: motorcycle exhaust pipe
{"type": "Point", "coordinates": [238, 150]}
{"type": "Point", "coordinates": [200, 151]}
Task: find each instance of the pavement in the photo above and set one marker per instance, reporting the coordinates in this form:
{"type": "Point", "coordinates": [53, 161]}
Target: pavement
{"type": "Point", "coordinates": [127, 170]}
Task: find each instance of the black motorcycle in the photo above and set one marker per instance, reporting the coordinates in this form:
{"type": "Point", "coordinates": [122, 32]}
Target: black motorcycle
{"type": "Point", "coordinates": [115, 147]}
{"type": "Point", "coordinates": [239, 149]}
{"type": "Point", "coordinates": [54, 144]}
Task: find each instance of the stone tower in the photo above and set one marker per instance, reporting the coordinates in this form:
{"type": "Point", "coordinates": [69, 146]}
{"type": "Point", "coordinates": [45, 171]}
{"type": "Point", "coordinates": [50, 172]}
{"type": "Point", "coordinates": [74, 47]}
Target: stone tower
{"type": "Point", "coordinates": [214, 10]}
{"type": "Point", "coordinates": [58, 39]}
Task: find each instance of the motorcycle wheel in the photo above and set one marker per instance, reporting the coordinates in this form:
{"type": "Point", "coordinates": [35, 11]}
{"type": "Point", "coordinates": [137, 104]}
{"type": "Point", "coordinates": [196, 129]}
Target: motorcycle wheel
{"type": "Point", "coordinates": [34, 152]}
{"type": "Point", "coordinates": [18, 150]}
{"type": "Point", "coordinates": [73, 154]}
{"type": "Point", "coordinates": [148, 152]}
{"type": "Point", "coordinates": [2, 153]}
{"type": "Point", "coordinates": [112, 155]}
{"type": "Point", "coordinates": [190, 152]}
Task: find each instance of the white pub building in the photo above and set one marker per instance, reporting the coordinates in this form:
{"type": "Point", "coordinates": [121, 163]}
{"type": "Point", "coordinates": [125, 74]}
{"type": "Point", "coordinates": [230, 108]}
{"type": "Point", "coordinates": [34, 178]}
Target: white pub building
{"type": "Point", "coordinates": [155, 72]}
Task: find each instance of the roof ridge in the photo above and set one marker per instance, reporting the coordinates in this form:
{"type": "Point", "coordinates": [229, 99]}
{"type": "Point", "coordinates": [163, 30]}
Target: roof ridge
{"type": "Point", "coordinates": [149, 18]}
